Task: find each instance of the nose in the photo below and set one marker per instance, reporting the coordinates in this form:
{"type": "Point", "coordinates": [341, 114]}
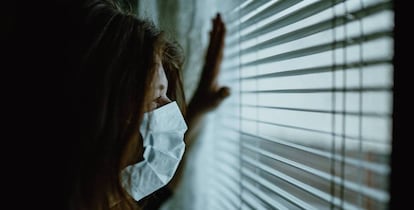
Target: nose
{"type": "Point", "coordinates": [163, 101]}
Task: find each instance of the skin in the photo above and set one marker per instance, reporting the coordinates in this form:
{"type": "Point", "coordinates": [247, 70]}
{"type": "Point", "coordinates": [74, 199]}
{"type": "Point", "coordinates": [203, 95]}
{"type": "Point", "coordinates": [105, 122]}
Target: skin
{"type": "Point", "coordinates": [208, 95]}
{"type": "Point", "coordinates": [159, 96]}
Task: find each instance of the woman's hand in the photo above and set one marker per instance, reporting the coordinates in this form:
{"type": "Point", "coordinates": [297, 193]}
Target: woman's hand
{"type": "Point", "coordinates": [209, 94]}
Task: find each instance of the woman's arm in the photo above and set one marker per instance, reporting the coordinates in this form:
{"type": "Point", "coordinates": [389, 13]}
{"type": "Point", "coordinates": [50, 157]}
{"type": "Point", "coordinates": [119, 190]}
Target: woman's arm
{"type": "Point", "coordinates": [208, 95]}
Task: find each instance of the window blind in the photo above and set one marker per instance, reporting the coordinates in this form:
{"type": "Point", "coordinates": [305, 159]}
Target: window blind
{"type": "Point", "coordinates": [308, 125]}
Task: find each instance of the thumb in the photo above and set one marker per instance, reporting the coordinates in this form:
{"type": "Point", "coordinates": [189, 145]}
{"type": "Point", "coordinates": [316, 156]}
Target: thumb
{"type": "Point", "coordinates": [221, 94]}
{"type": "Point", "coordinates": [224, 92]}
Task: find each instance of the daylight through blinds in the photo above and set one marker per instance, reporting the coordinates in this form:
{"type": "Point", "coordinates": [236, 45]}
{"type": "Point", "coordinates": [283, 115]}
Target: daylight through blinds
{"type": "Point", "coordinates": [308, 124]}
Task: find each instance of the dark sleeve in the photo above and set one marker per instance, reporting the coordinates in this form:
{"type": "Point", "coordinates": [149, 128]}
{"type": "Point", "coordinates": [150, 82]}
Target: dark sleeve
{"type": "Point", "coordinates": [156, 199]}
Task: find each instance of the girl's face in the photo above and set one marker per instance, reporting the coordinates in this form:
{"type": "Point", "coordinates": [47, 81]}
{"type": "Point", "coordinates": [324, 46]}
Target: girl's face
{"type": "Point", "coordinates": [158, 96]}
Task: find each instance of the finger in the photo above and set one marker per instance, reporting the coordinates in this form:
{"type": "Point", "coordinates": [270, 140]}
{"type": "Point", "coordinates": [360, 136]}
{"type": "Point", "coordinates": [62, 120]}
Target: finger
{"type": "Point", "coordinates": [224, 92]}
{"type": "Point", "coordinates": [220, 95]}
{"type": "Point", "coordinates": [214, 53]}
{"type": "Point", "coordinates": [216, 45]}
{"type": "Point", "coordinates": [218, 27]}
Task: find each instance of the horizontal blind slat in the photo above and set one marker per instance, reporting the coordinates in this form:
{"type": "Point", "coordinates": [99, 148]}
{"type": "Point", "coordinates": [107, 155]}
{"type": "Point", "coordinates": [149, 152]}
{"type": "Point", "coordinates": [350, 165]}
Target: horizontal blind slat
{"type": "Point", "coordinates": [292, 18]}
{"type": "Point", "coordinates": [307, 126]}
{"type": "Point", "coordinates": [264, 197]}
{"type": "Point", "coordinates": [273, 9]}
{"type": "Point", "coordinates": [230, 191]}
{"type": "Point", "coordinates": [372, 166]}
{"type": "Point", "coordinates": [295, 201]}
{"type": "Point", "coordinates": [322, 90]}
{"type": "Point", "coordinates": [315, 192]}
{"type": "Point", "coordinates": [348, 113]}
{"type": "Point", "coordinates": [228, 198]}
{"type": "Point", "coordinates": [367, 191]}
{"type": "Point", "coordinates": [320, 48]}
{"type": "Point", "coordinates": [303, 186]}
{"type": "Point", "coordinates": [318, 69]}
{"type": "Point", "coordinates": [337, 21]}
{"type": "Point", "coordinates": [251, 200]}
{"type": "Point", "coordinates": [252, 5]}
{"type": "Point", "coordinates": [297, 128]}
{"type": "Point", "coordinates": [310, 29]}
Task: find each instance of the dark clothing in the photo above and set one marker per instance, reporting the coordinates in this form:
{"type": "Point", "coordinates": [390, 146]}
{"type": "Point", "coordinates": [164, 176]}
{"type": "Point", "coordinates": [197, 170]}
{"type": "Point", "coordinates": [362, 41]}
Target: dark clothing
{"type": "Point", "coordinates": [156, 199]}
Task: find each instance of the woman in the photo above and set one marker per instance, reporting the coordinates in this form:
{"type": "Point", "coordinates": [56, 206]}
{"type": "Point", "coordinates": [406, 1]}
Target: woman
{"type": "Point", "coordinates": [129, 70]}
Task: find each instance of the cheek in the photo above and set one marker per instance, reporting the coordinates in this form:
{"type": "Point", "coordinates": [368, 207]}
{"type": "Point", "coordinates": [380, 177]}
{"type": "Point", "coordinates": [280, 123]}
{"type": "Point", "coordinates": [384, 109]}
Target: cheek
{"type": "Point", "coordinates": [150, 106]}
{"type": "Point", "coordinates": [149, 99]}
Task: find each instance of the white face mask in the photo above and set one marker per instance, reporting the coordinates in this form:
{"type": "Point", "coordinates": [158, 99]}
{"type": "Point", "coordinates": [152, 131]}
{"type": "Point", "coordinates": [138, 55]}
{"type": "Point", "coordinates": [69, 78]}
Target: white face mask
{"type": "Point", "coordinates": [162, 131]}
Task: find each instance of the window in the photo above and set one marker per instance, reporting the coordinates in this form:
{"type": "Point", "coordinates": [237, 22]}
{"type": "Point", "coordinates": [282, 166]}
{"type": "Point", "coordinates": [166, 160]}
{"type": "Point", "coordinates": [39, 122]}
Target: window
{"type": "Point", "coordinates": [308, 125]}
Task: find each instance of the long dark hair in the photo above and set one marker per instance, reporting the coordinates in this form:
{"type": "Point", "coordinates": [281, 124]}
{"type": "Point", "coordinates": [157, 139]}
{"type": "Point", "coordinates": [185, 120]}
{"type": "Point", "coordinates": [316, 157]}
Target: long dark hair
{"type": "Point", "coordinates": [112, 85]}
